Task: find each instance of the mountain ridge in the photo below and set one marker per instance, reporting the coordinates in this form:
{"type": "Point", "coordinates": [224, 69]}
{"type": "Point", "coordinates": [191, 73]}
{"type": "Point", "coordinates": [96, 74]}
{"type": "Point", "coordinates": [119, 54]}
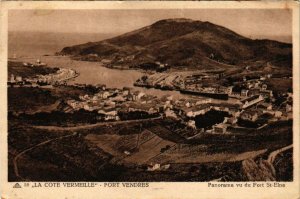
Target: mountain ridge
{"type": "Point", "coordinates": [182, 43]}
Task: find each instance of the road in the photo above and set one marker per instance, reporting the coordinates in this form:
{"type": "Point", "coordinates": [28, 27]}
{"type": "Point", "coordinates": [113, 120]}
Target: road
{"type": "Point", "coordinates": [273, 155]}
{"type": "Point", "coordinates": [15, 160]}
{"type": "Point", "coordinates": [88, 126]}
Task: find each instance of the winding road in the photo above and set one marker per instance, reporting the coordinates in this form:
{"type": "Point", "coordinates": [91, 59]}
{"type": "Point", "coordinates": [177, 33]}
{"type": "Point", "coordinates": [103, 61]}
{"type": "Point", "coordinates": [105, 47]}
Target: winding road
{"type": "Point", "coordinates": [273, 155]}
{"type": "Point", "coordinates": [15, 160]}
{"type": "Point", "coordinates": [88, 126]}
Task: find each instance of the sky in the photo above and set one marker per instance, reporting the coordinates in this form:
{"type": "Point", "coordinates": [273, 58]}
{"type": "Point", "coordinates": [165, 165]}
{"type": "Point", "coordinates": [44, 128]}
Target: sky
{"type": "Point", "coordinates": [264, 23]}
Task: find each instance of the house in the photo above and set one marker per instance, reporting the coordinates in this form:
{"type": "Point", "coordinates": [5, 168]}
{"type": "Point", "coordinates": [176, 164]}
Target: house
{"type": "Point", "coordinates": [149, 108]}
{"type": "Point", "coordinates": [101, 86]}
{"type": "Point", "coordinates": [18, 78]}
{"type": "Point", "coordinates": [96, 104]}
{"type": "Point", "coordinates": [105, 94]}
{"type": "Point", "coordinates": [234, 112]}
{"type": "Point", "coordinates": [267, 106]}
{"type": "Point", "coordinates": [39, 63]}
{"type": "Point", "coordinates": [251, 101]}
{"type": "Point", "coordinates": [87, 107]}
{"type": "Point", "coordinates": [168, 105]}
{"type": "Point", "coordinates": [204, 101]}
{"type": "Point", "coordinates": [135, 95]}
{"type": "Point", "coordinates": [244, 93]}
{"type": "Point", "coordinates": [140, 95]}
{"type": "Point", "coordinates": [147, 99]}
{"type": "Point", "coordinates": [266, 93]}
{"type": "Point", "coordinates": [12, 78]}
{"type": "Point", "coordinates": [95, 98]}
{"type": "Point", "coordinates": [105, 61]}
{"type": "Point", "coordinates": [220, 128]}
{"type": "Point", "coordinates": [110, 113]}
{"type": "Point", "coordinates": [127, 153]}
{"type": "Point", "coordinates": [84, 97]}
{"type": "Point", "coordinates": [129, 97]}
{"type": "Point", "coordinates": [262, 78]}
{"type": "Point", "coordinates": [188, 104]}
{"type": "Point", "coordinates": [230, 120]}
{"type": "Point", "coordinates": [235, 94]}
{"type": "Point", "coordinates": [165, 98]}
{"type": "Point", "coordinates": [153, 167]}
{"type": "Point", "coordinates": [171, 114]}
{"type": "Point", "coordinates": [170, 97]}
{"type": "Point", "coordinates": [72, 103]}
{"type": "Point", "coordinates": [125, 92]}
{"type": "Point", "coordinates": [278, 114]}
{"type": "Point", "coordinates": [152, 110]}
{"type": "Point", "coordinates": [118, 98]}
{"type": "Point", "coordinates": [264, 87]}
{"type": "Point", "coordinates": [33, 84]}
{"type": "Point", "coordinates": [254, 91]}
{"type": "Point", "coordinates": [217, 108]}
{"type": "Point", "coordinates": [288, 108]}
{"type": "Point", "coordinates": [250, 115]}
{"type": "Point", "coordinates": [225, 109]}
{"type": "Point", "coordinates": [165, 167]}
{"type": "Point", "coordinates": [110, 103]}
{"type": "Point", "coordinates": [228, 90]}
{"type": "Point", "coordinates": [192, 124]}
{"type": "Point", "coordinates": [197, 110]}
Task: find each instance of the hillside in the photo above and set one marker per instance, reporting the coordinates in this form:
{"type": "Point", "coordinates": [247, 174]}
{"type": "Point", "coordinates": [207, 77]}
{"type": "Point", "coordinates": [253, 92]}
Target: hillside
{"type": "Point", "coordinates": [183, 43]}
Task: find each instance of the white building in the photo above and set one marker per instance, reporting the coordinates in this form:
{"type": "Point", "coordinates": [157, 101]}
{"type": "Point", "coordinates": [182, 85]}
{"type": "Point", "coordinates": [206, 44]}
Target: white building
{"type": "Point", "coordinates": [251, 101]}
{"type": "Point", "coordinates": [12, 78]}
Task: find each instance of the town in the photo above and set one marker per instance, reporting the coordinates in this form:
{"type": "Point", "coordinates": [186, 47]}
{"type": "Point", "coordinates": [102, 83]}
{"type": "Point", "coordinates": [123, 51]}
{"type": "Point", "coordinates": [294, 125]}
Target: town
{"type": "Point", "coordinates": [156, 133]}
{"type": "Point", "coordinates": [249, 103]}
{"type": "Point", "coordinates": [253, 107]}
{"type": "Point", "coordinates": [174, 95]}
{"type": "Point", "coordinates": [55, 77]}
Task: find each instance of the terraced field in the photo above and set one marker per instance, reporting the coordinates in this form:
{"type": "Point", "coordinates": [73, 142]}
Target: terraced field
{"type": "Point", "coordinates": [141, 147]}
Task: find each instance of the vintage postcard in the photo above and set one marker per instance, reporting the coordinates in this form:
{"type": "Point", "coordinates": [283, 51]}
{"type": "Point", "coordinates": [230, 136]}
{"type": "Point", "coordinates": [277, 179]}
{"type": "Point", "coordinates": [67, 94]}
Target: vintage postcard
{"type": "Point", "coordinates": [149, 100]}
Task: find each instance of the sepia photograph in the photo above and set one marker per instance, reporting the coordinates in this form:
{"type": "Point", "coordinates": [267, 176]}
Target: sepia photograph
{"type": "Point", "coordinates": [156, 95]}
{"type": "Point", "coordinates": [149, 95]}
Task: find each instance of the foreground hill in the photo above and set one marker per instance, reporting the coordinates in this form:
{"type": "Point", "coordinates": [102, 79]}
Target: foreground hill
{"type": "Point", "coordinates": [183, 43]}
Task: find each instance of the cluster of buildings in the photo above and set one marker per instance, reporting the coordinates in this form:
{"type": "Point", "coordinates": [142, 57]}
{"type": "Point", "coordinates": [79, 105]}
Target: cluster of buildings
{"type": "Point", "coordinates": [253, 101]}
{"type": "Point", "coordinates": [249, 106]}
{"type": "Point", "coordinates": [15, 79]}
{"type": "Point", "coordinates": [38, 63]}
{"type": "Point", "coordinates": [251, 88]}
{"type": "Point", "coordinates": [110, 102]}
{"type": "Point", "coordinates": [187, 110]}
{"type": "Point", "coordinates": [61, 75]}
{"type": "Point", "coordinates": [255, 104]}
{"type": "Point", "coordinates": [197, 84]}
{"type": "Point", "coordinates": [19, 81]}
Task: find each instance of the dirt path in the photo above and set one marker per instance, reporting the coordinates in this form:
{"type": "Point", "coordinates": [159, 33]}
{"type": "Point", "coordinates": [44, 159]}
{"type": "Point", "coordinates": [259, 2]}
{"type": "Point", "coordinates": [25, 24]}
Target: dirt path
{"type": "Point", "coordinates": [262, 170]}
{"type": "Point", "coordinates": [273, 155]}
{"type": "Point", "coordinates": [15, 160]}
{"type": "Point", "coordinates": [89, 126]}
